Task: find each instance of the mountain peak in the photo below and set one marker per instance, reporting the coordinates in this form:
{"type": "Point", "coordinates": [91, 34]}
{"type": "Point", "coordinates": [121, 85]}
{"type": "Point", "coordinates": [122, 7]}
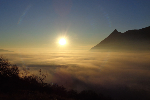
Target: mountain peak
{"type": "Point", "coordinates": [115, 31]}
{"type": "Point", "coordinates": [130, 40]}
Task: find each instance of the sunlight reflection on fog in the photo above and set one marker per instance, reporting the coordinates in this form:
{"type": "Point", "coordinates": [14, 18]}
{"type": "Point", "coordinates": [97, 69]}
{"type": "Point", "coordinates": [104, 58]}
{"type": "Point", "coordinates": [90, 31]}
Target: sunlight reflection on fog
{"type": "Point", "coordinates": [83, 69]}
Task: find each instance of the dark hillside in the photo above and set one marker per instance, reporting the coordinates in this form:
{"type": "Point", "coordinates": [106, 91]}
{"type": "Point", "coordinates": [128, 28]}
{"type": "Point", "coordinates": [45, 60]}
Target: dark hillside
{"type": "Point", "coordinates": [30, 87]}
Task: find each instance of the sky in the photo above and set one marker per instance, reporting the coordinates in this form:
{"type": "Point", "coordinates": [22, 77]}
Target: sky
{"type": "Point", "coordinates": [84, 23]}
{"type": "Point", "coordinates": [39, 24]}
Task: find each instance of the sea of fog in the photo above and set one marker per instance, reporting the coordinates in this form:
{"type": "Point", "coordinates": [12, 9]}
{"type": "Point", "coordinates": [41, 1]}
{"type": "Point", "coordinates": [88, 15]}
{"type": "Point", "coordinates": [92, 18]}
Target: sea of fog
{"type": "Point", "coordinates": [118, 74]}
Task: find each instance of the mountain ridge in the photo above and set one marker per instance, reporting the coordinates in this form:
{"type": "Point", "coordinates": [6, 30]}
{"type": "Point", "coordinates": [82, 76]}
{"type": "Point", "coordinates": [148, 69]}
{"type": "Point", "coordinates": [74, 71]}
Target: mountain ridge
{"type": "Point", "coordinates": [135, 40]}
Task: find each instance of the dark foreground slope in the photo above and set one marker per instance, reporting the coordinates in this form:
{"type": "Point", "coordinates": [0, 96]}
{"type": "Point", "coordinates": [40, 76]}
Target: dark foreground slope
{"type": "Point", "coordinates": [30, 87]}
{"type": "Point", "coordinates": [132, 40]}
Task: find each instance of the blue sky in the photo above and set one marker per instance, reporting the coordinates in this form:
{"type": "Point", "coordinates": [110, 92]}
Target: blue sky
{"type": "Point", "coordinates": [84, 23]}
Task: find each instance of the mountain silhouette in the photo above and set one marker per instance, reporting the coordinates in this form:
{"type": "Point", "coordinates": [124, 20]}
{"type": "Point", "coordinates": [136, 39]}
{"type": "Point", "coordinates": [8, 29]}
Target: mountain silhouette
{"type": "Point", "coordinates": [131, 40]}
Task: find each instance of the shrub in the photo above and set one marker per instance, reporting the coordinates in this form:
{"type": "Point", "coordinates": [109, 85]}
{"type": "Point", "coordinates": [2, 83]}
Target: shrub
{"type": "Point", "coordinates": [8, 70]}
{"type": "Point", "coordinates": [33, 87]}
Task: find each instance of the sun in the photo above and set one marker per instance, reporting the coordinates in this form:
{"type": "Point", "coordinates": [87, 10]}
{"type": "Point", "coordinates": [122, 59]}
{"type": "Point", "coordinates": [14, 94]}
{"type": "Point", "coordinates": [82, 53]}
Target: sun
{"type": "Point", "coordinates": [62, 41]}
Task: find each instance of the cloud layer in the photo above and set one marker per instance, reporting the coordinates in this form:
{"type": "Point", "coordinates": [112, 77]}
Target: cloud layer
{"type": "Point", "coordinates": [112, 73]}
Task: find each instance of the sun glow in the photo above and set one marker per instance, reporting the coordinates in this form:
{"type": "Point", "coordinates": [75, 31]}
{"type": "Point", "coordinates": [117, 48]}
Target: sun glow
{"type": "Point", "coordinates": [62, 41]}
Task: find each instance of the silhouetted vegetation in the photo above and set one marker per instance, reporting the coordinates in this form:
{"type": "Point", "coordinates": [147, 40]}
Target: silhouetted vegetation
{"type": "Point", "coordinates": [25, 87]}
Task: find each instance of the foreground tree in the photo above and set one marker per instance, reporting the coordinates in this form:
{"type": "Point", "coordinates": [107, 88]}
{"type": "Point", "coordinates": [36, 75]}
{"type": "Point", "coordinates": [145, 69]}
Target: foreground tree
{"type": "Point", "coordinates": [12, 86]}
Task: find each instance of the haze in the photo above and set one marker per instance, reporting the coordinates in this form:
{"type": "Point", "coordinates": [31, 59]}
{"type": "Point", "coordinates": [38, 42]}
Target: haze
{"type": "Point", "coordinates": [111, 73]}
{"type": "Point", "coordinates": [31, 30]}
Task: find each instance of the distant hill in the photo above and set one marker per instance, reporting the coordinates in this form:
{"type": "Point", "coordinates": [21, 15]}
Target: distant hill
{"type": "Point", "coordinates": [2, 50]}
{"type": "Point", "coordinates": [131, 40]}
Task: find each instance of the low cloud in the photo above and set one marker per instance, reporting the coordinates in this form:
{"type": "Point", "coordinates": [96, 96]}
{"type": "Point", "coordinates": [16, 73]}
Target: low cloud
{"type": "Point", "coordinates": [103, 72]}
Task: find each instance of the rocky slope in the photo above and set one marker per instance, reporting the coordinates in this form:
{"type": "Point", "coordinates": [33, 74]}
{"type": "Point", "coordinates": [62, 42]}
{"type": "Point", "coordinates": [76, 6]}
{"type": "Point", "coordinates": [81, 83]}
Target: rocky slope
{"type": "Point", "coordinates": [131, 40]}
